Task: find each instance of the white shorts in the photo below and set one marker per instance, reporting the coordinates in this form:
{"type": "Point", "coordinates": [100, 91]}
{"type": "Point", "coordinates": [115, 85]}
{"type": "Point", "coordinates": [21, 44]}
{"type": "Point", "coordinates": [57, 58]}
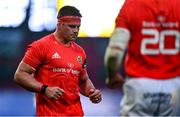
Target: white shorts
{"type": "Point", "coordinates": [149, 97]}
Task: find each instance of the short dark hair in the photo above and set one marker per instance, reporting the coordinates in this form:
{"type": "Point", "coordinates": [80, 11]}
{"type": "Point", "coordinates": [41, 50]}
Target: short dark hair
{"type": "Point", "coordinates": [69, 11]}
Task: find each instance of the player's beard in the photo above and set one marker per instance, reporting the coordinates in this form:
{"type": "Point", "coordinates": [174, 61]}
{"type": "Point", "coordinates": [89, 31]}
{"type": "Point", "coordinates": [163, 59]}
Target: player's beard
{"type": "Point", "coordinates": [69, 37]}
{"type": "Point", "coordinates": [72, 37]}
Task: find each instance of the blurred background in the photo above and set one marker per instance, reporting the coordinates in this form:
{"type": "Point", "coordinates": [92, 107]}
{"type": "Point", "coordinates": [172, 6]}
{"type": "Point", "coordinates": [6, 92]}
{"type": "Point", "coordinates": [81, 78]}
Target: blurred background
{"type": "Point", "coordinates": [24, 21]}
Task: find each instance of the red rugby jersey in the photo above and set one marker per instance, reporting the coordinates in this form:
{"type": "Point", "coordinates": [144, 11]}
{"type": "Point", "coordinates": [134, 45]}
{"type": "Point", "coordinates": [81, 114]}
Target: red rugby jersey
{"type": "Point", "coordinates": [57, 65]}
{"type": "Point", "coordinates": [153, 49]}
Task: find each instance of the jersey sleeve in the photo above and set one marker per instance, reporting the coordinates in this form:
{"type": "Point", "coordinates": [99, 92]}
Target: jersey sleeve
{"type": "Point", "coordinates": [34, 55]}
{"type": "Point", "coordinates": [84, 64]}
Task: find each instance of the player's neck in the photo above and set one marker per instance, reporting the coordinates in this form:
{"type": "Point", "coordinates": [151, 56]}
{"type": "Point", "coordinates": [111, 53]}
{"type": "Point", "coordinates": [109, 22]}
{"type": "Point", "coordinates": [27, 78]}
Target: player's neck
{"type": "Point", "coordinates": [62, 40]}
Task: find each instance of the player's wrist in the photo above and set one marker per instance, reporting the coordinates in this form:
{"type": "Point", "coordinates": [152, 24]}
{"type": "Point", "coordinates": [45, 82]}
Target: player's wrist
{"type": "Point", "coordinates": [112, 75]}
{"type": "Point", "coordinates": [43, 89]}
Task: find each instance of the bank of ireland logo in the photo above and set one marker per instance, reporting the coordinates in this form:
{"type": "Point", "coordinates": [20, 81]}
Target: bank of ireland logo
{"type": "Point", "coordinates": [79, 59]}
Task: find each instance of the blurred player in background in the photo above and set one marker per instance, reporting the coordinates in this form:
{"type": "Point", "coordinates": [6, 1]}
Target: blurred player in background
{"type": "Point", "coordinates": [148, 31]}
{"type": "Point", "coordinates": [54, 67]}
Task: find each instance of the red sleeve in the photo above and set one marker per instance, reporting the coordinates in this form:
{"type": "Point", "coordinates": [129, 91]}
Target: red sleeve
{"type": "Point", "coordinates": [34, 55]}
{"type": "Point", "coordinates": [84, 65]}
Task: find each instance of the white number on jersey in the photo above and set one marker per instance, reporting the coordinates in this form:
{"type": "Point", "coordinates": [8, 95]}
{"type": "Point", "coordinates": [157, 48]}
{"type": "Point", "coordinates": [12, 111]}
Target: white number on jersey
{"type": "Point", "coordinates": [159, 38]}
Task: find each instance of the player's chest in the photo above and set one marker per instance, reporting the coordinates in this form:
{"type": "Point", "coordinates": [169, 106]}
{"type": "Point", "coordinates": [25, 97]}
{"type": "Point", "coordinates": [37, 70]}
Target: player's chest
{"type": "Point", "coordinates": [66, 58]}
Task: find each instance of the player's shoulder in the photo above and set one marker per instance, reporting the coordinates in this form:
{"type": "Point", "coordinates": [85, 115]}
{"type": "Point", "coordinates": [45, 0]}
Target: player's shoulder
{"type": "Point", "coordinates": [176, 4]}
{"type": "Point", "coordinates": [43, 41]}
{"type": "Point", "coordinates": [132, 5]}
{"type": "Point", "coordinates": [77, 47]}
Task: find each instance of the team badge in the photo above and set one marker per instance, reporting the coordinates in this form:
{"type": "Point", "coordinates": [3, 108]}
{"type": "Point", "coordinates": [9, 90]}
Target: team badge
{"type": "Point", "coordinates": [79, 59]}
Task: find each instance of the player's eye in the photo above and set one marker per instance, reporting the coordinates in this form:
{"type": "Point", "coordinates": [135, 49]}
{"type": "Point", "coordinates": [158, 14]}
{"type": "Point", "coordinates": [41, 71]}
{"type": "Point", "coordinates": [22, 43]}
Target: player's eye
{"type": "Point", "coordinates": [74, 26]}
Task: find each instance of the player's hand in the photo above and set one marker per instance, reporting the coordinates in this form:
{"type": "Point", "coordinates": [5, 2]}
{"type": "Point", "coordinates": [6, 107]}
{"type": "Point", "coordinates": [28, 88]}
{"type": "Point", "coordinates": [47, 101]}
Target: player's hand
{"type": "Point", "coordinates": [115, 82]}
{"type": "Point", "coordinates": [95, 96]}
{"type": "Point", "coordinates": [54, 92]}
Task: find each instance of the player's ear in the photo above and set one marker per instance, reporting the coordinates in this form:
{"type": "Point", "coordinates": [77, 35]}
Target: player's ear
{"type": "Point", "coordinates": [58, 24]}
